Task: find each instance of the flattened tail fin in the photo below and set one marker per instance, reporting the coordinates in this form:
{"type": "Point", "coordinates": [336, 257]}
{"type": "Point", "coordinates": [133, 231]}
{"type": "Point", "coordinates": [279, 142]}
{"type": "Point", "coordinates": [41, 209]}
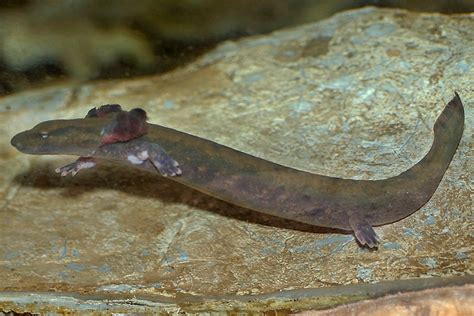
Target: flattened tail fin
{"type": "Point", "coordinates": [448, 130]}
{"type": "Point", "coordinates": [420, 181]}
{"type": "Point", "coordinates": [411, 189]}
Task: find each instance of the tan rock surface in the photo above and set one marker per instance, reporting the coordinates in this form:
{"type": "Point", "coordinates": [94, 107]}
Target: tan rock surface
{"type": "Point", "coordinates": [353, 96]}
{"type": "Point", "coordinates": [451, 301]}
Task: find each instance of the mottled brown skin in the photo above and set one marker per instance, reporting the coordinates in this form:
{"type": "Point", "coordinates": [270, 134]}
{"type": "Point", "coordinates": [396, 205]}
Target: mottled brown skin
{"type": "Point", "coordinates": [258, 184]}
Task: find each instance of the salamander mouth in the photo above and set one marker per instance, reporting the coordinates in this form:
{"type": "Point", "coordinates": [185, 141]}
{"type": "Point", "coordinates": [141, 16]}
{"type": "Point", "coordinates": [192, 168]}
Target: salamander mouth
{"type": "Point", "coordinates": [18, 142]}
{"type": "Point", "coordinates": [23, 142]}
{"type": "Point", "coordinates": [28, 143]}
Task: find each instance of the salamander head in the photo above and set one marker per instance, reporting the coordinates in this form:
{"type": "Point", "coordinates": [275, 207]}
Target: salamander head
{"type": "Point", "coordinates": [61, 137]}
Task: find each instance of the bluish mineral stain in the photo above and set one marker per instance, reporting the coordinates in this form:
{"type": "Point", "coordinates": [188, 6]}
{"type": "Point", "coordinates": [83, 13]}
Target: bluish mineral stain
{"type": "Point", "coordinates": [252, 78]}
{"type": "Point", "coordinates": [429, 262]}
{"type": "Point", "coordinates": [269, 251]}
{"type": "Point", "coordinates": [335, 61]}
{"type": "Point", "coordinates": [275, 245]}
{"type": "Point", "coordinates": [10, 255]}
{"type": "Point", "coordinates": [183, 256]}
{"type": "Point", "coordinates": [145, 253]}
{"type": "Point", "coordinates": [53, 99]}
{"type": "Point", "coordinates": [63, 253]}
{"type": "Point", "coordinates": [463, 66]}
{"type": "Point", "coordinates": [380, 29]}
{"type": "Point", "coordinates": [346, 127]}
{"type": "Point", "coordinates": [302, 249]}
{"type": "Point", "coordinates": [76, 266]}
{"type": "Point", "coordinates": [379, 71]}
{"type": "Point", "coordinates": [338, 242]}
{"type": "Point", "coordinates": [9, 262]}
{"type": "Point", "coordinates": [341, 83]}
{"type": "Point", "coordinates": [290, 53]}
{"type": "Point", "coordinates": [411, 232]}
{"type": "Point", "coordinates": [169, 104]}
{"type": "Point", "coordinates": [104, 268]}
{"type": "Point", "coordinates": [358, 40]}
{"type": "Point", "coordinates": [264, 41]}
{"type": "Point", "coordinates": [404, 65]}
{"type": "Point", "coordinates": [462, 255]}
{"type": "Point", "coordinates": [392, 245]}
{"type": "Point", "coordinates": [336, 239]}
{"type": "Point", "coordinates": [118, 288]}
{"type": "Point", "coordinates": [430, 220]}
{"type": "Point", "coordinates": [364, 273]}
{"type": "Point", "coordinates": [365, 95]}
{"type": "Point", "coordinates": [301, 107]}
{"type": "Point", "coordinates": [157, 285]}
{"type": "Point", "coordinates": [167, 260]}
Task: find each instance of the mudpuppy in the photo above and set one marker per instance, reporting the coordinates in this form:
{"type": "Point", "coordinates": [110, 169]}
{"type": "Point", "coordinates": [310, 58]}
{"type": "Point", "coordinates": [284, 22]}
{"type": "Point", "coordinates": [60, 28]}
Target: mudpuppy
{"type": "Point", "coordinates": [110, 133]}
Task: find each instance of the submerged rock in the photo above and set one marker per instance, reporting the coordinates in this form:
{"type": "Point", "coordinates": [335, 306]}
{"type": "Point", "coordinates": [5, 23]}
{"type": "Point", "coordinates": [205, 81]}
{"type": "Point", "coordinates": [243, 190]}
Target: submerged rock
{"type": "Point", "coordinates": [354, 96]}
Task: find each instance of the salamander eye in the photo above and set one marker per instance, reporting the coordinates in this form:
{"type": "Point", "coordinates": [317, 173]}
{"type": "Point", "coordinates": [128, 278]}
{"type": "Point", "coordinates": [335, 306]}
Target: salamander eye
{"type": "Point", "coordinates": [44, 134]}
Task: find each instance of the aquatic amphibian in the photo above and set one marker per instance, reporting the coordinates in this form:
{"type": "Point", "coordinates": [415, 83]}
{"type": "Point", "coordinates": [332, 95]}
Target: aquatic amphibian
{"type": "Point", "coordinates": [109, 133]}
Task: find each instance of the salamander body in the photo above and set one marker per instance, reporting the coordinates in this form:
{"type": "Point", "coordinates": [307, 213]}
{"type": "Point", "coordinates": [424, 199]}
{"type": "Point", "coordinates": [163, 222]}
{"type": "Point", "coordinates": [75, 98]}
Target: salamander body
{"type": "Point", "coordinates": [245, 180]}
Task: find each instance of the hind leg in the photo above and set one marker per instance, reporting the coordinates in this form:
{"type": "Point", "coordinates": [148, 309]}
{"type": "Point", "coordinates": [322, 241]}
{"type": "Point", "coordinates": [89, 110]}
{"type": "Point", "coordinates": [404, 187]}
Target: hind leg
{"type": "Point", "coordinates": [363, 231]}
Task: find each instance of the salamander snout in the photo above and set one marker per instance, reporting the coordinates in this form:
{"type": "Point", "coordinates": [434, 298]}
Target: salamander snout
{"type": "Point", "coordinates": [27, 142]}
{"type": "Point", "coordinates": [16, 142]}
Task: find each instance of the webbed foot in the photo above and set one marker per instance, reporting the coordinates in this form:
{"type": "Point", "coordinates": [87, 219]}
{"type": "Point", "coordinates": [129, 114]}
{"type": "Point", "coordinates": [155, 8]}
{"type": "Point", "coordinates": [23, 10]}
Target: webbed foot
{"type": "Point", "coordinates": [149, 152]}
{"type": "Point", "coordinates": [364, 232]}
{"type": "Point", "coordinates": [76, 166]}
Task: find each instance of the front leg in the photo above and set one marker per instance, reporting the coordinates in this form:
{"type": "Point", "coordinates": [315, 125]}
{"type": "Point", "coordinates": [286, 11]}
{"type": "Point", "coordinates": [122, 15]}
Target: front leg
{"type": "Point", "coordinates": [137, 152]}
{"type": "Point", "coordinates": [140, 153]}
{"type": "Point", "coordinates": [143, 153]}
{"type": "Point", "coordinates": [76, 166]}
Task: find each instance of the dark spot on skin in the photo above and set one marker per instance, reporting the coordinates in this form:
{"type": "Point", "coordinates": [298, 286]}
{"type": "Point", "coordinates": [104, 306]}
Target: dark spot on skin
{"type": "Point", "coordinates": [305, 198]}
{"type": "Point", "coordinates": [317, 211]}
{"type": "Point", "coordinates": [279, 190]}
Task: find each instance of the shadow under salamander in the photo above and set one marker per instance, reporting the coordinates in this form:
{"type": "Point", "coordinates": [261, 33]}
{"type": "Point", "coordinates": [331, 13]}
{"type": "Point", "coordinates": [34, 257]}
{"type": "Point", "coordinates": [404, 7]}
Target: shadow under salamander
{"type": "Point", "coordinates": [133, 181]}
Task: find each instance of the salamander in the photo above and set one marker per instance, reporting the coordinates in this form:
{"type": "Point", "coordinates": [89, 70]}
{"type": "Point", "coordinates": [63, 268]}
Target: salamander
{"type": "Point", "coordinates": [110, 133]}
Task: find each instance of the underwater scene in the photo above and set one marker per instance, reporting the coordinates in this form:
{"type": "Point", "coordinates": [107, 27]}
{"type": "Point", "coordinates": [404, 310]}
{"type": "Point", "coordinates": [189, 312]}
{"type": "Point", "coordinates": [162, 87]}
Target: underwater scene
{"type": "Point", "coordinates": [236, 157]}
